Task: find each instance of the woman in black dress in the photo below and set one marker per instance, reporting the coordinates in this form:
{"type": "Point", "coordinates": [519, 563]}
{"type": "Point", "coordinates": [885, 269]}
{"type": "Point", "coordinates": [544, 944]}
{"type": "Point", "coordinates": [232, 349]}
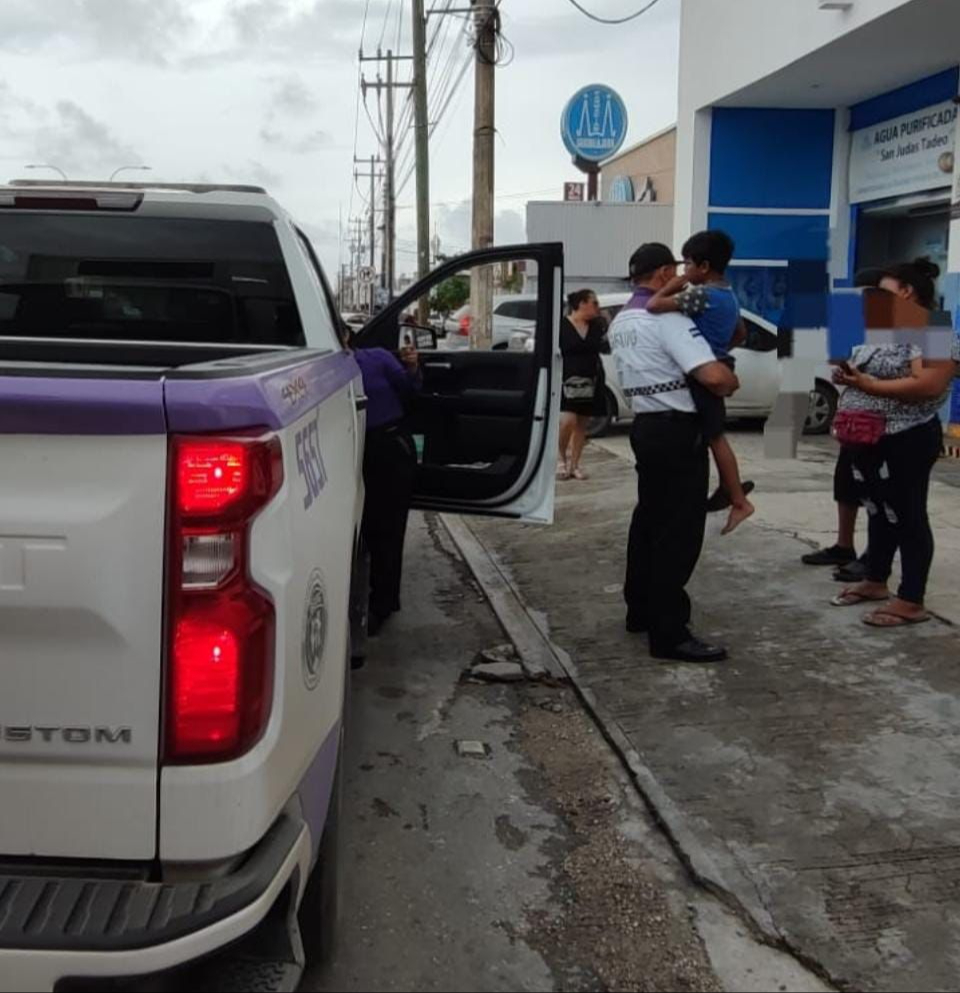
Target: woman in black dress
{"type": "Point", "coordinates": [582, 337]}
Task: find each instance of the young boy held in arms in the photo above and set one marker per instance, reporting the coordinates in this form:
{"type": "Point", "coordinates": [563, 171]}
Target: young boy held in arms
{"type": "Point", "coordinates": [703, 294]}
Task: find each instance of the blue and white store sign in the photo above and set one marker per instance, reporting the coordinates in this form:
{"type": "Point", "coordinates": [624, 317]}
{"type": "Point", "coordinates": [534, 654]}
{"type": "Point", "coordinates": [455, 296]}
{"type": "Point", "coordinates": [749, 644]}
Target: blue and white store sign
{"type": "Point", "coordinates": [909, 154]}
{"type": "Point", "coordinates": [594, 123]}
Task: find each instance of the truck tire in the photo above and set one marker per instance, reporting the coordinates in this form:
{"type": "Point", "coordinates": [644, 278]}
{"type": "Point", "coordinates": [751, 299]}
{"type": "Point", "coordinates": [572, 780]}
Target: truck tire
{"type": "Point", "coordinates": [320, 907]}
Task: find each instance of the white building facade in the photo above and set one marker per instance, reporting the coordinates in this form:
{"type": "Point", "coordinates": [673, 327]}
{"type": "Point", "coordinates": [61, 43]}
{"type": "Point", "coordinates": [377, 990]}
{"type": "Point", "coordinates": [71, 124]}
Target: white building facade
{"type": "Point", "coordinates": [821, 130]}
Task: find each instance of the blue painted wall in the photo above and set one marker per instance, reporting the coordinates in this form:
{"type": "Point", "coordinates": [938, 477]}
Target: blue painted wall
{"type": "Point", "coordinates": [776, 236]}
{"type": "Point", "coordinates": [771, 158]}
{"type": "Point", "coordinates": [916, 96]}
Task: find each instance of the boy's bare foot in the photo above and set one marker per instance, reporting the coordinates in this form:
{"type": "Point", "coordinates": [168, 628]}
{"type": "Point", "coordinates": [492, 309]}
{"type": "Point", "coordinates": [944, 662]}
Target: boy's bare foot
{"type": "Point", "coordinates": [738, 514]}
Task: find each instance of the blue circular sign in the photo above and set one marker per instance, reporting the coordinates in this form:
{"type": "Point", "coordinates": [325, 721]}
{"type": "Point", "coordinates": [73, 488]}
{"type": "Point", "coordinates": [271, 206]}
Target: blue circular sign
{"type": "Point", "coordinates": [594, 123]}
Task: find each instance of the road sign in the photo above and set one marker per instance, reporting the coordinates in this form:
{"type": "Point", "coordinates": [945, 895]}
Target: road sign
{"type": "Point", "coordinates": [594, 123]}
{"type": "Point", "coordinates": [367, 274]}
{"type": "Point", "coordinates": [573, 191]}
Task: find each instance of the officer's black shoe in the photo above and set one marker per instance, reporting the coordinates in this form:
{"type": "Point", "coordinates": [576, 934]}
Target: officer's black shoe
{"type": "Point", "coordinates": [692, 650]}
{"type": "Point", "coordinates": [636, 625]}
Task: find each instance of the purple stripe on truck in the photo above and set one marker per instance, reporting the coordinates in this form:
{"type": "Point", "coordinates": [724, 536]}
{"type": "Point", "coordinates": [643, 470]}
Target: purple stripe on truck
{"type": "Point", "coordinates": [316, 787]}
{"type": "Point", "coordinates": [61, 405]}
{"type": "Point", "coordinates": [267, 399]}
{"type": "Point", "coordinates": [66, 405]}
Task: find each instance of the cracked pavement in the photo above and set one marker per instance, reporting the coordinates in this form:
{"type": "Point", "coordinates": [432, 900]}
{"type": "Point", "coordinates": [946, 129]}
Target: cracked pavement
{"type": "Point", "coordinates": [814, 775]}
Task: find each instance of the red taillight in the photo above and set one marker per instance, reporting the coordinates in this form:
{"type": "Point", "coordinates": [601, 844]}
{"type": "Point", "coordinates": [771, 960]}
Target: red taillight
{"type": "Point", "coordinates": [206, 684]}
{"type": "Point", "coordinates": [211, 475]}
{"type": "Point", "coordinates": [220, 625]}
{"type": "Point", "coordinates": [464, 328]}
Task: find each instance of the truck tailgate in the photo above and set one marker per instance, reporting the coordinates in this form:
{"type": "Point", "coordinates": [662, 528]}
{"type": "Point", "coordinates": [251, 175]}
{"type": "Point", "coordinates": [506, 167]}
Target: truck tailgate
{"type": "Point", "coordinates": [81, 615]}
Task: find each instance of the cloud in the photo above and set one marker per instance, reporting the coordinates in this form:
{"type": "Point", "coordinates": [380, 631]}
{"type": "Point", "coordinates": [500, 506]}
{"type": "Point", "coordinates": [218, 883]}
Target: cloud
{"type": "Point", "coordinates": [139, 31]}
{"type": "Point", "coordinates": [565, 34]}
{"type": "Point", "coordinates": [278, 30]}
{"type": "Point", "coordinates": [13, 105]}
{"type": "Point", "coordinates": [77, 142]}
{"type": "Point", "coordinates": [292, 97]}
{"type": "Point", "coordinates": [454, 225]}
{"type": "Point", "coordinates": [254, 173]}
{"type": "Point", "coordinates": [303, 145]}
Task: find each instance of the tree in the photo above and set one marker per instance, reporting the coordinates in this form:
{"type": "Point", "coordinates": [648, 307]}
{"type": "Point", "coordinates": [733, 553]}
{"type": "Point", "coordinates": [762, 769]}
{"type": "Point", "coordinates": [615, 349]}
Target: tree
{"type": "Point", "coordinates": [514, 282]}
{"type": "Point", "coordinates": [451, 295]}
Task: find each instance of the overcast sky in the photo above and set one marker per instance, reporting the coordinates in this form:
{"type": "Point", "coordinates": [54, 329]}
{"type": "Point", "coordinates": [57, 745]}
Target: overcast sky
{"type": "Point", "coordinates": [264, 91]}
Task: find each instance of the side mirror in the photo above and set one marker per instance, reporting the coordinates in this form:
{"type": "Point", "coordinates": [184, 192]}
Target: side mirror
{"type": "Point", "coordinates": [422, 338]}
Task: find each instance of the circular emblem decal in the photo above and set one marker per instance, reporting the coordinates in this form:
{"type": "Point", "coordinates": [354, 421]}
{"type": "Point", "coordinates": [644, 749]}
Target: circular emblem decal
{"type": "Point", "coordinates": [314, 629]}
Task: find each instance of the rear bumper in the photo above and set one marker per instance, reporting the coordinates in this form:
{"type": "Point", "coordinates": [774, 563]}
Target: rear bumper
{"type": "Point", "coordinates": [53, 928]}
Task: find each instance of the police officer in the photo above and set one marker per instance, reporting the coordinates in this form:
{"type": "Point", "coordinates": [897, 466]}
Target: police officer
{"type": "Point", "coordinates": [654, 355]}
{"type": "Point", "coordinates": [389, 467]}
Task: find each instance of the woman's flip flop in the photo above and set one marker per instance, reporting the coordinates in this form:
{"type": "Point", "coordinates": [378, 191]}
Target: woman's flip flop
{"type": "Point", "coordinates": [850, 598]}
{"type": "Point", "coordinates": [892, 620]}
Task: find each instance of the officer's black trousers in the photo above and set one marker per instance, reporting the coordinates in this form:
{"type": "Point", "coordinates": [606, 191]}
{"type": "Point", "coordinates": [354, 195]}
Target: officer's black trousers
{"type": "Point", "coordinates": [666, 534]}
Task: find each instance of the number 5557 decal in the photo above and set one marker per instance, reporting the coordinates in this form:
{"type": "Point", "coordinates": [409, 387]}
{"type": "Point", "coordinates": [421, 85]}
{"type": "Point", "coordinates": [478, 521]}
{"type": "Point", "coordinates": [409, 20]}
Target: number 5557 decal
{"type": "Point", "coordinates": [310, 462]}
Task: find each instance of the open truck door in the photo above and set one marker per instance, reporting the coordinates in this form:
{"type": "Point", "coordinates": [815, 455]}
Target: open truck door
{"type": "Point", "coordinates": [486, 419]}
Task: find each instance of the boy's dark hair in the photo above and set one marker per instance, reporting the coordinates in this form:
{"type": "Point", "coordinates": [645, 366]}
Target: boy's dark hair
{"type": "Point", "coordinates": [576, 299]}
{"type": "Point", "coordinates": [713, 247]}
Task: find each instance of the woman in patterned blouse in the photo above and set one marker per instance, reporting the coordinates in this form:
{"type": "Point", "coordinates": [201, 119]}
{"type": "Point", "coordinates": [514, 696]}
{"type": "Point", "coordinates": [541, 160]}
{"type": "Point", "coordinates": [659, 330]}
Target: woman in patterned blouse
{"type": "Point", "coordinates": [908, 389]}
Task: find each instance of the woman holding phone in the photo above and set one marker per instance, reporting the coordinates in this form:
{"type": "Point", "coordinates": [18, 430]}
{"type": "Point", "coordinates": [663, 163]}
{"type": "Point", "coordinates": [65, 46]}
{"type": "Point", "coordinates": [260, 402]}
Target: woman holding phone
{"type": "Point", "coordinates": [889, 422]}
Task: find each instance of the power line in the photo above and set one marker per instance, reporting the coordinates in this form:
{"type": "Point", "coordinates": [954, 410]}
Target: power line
{"type": "Point", "coordinates": [439, 117]}
{"type": "Point", "coordinates": [446, 86]}
{"type": "Point", "coordinates": [386, 21]}
{"type": "Point", "coordinates": [613, 20]}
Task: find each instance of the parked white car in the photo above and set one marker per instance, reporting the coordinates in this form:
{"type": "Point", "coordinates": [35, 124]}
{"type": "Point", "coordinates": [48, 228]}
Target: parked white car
{"type": "Point", "coordinates": [758, 369]}
{"type": "Point", "coordinates": [355, 320]}
{"type": "Point", "coordinates": [512, 315]}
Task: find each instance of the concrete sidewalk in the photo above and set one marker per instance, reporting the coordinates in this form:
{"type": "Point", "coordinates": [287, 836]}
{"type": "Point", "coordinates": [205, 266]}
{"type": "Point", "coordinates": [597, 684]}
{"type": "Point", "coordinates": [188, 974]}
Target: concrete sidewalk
{"type": "Point", "coordinates": [814, 776]}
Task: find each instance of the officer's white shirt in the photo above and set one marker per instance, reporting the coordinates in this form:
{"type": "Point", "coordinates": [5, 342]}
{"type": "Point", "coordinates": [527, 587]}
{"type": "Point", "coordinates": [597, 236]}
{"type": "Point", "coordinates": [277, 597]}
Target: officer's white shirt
{"type": "Point", "coordinates": [653, 354]}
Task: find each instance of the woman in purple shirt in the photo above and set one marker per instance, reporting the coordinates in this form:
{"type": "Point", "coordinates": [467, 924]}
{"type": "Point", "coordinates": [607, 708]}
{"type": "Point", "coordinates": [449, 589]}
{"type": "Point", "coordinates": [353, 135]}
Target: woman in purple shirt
{"type": "Point", "coordinates": [389, 465]}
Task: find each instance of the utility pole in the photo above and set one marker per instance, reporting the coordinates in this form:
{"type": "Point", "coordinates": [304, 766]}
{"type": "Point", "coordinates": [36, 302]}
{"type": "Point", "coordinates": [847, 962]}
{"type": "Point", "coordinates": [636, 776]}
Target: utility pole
{"type": "Point", "coordinates": [389, 185]}
{"type": "Point", "coordinates": [481, 280]}
{"type": "Point", "coordinates": [373, 175]}
{"type": "Point", "coordinates": [422, 135]}
{"type": "Point", "coordinates": [357, 257]}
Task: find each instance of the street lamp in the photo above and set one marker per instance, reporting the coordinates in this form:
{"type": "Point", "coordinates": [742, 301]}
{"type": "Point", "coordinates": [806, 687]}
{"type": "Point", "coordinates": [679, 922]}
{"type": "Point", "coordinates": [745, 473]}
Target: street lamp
{"type": "Point", "coordinates": [43, 165]}
{"type": "Point", "coordinates": [137, 168]}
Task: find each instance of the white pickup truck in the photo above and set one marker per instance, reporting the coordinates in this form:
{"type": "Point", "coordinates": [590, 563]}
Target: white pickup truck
{"type": "Point", "coordinates": [181, 441]}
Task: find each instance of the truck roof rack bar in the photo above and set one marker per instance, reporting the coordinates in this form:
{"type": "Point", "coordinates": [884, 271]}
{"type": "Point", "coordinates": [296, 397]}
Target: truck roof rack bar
{"type": "Point", "coordinates": [93, 184]}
